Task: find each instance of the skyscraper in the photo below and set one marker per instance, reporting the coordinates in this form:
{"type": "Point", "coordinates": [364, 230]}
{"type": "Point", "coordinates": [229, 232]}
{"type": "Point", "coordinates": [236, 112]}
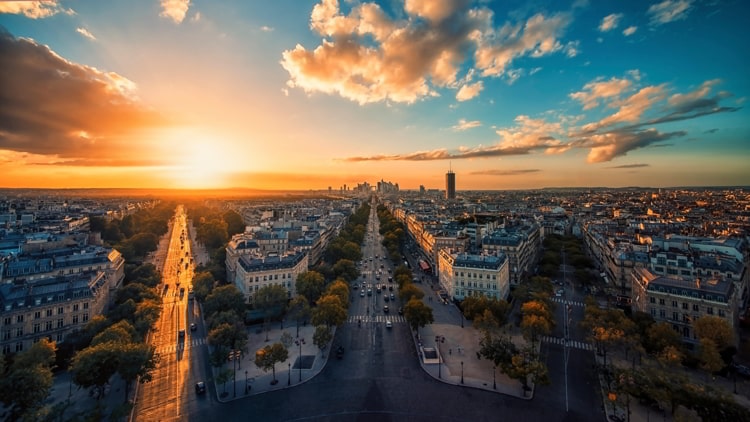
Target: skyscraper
{"type": "Point", "coordinates": [450, 185]}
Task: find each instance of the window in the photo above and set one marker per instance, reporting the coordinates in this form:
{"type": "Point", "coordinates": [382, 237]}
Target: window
{"type": "Point", "coordinates": [75, 307]}
{"type": "Point", "coordinates": [6, 321]}
{"type": "Point", "coordinates": [37, 327]}
{"type": "Point", "coordinates": [60, 323]}
{"type": "Point", "coordinates": [48, 326]}
{"type": "Point", "coordinates": [652, 299]}
{"type": "Point", "coordinates": [661, 302]}
{"type": "Point", "coordinates": [75, 319]}
{"type": "Point", "coordinates": [674, 303]}
{"type": "Point", "coordinates": [696, 308]}
{"type": "Point", "coordinates": [19, 319]}
{"type": "Point", "coordinates": [85, 317]}
{"type": "Point", "coordinates": [37, 314]}
{"type": "Point", "coordinates": [684, 305]}
{"type": "Point", "coordinates": [85, 305]}
{"type": "Point", "coordinates": [722, 313]}
{"type": "Point", "coordinates": [60, 310]}
{"type": "Point", "coordinates": [675, 316]}
{"type": "Point", "coordinates": [49, 312]}
{"type": "Point", "coordinates": [710, 310]}
{"type": "Point", "coordinates": [662, 313]}
{"type": "Point", "coordinates": [19, 332]}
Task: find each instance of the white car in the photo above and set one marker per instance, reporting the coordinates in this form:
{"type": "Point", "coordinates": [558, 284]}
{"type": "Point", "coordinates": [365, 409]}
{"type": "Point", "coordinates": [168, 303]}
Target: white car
{"type": "Point", "coordinates": [388, 324]}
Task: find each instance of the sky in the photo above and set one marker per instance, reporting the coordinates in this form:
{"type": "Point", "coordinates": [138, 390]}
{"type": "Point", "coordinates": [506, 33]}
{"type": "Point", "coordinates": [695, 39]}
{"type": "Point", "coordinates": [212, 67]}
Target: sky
{"type": "Point", "coordinates": [301, 94]}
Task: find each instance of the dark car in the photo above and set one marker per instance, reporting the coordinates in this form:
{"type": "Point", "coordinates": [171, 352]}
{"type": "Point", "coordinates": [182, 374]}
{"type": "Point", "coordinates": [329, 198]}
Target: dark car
{"type": "Point", "coordinates": [340, 352]}
{"type": "Point", "coordinates": [200, 387]}
{"type": "Point", "coordinates": [193, 327]}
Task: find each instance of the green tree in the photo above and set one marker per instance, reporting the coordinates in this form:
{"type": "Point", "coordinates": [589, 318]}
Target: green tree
{"type": "Point", "coordinates": [486, 323]}
{"type": "Point", "coordinates": [24, 389]}
{"type": "Point", "coordinates": [223, 376]}
{"type": "Point", "coordinates": [534, 326]}
{"type": "Point", "coordinates": [228, 336]}
{"type": "Point", "coordinates": [94, 365]}
{"type": "Point", "coordinates": [41, 353]}
{"type": "Point", "coordinates": [136, 292]}
{"type": "Point", "coordinates": [329, 311]}
{"type": "Point", "coordinates": [146, 315]}
{"type": "Point", "coordinates": [267, 358]}
{"type": "Point", "coordinates": [271, 300]}
{"type": "Point", "coordinates": [213, 234]}
{"type": "Point", "coordinates": [203, 285]}
{"type": "Point", "coordinates": [345, 268]}
{"type": "Point", "coordinates": [417, 314]}
{"type": "Point", "coordinates": [322, 336]}
{"type": "Point", "coordinates": [122, 332]}
{"type": "Point", "coordinates": [299, 310]}
{"type": "Point", "coordinates": [224, 298]}
{"type": "Point", "coordinates": [660, 335]}
{"type": "Point", "coordinates": [235, 223]}
{"type": "Point", "coordinates": [311, 285]}
{"type": "Point", "coordinates": [710, 358]}
{"type": "Point", "coordinates": [136, 360]}
{"type": "Point", "coordinates": [525, 367]}
{"type": "Point", "coordinates": [409, 291]}
{"type": "Point", "coordinates": [499, 350]}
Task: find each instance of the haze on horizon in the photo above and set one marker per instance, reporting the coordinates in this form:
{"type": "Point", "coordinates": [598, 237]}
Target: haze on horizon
{"type": "Point", "coordinates": [297, 95]}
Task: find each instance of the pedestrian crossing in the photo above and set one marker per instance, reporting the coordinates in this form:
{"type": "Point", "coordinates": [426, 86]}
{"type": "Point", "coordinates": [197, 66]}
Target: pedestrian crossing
{"type": "Point", "coordinates": [571, 343]}
{"type": "Point", "coordinates": [375, 318]}
{"type": "Point", "coordinates": [570, 302]}
{"type": "Point", "coordinates": [198, 341]}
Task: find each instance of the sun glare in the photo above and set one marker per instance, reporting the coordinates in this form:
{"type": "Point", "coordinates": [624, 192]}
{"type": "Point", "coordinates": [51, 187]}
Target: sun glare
{"type": "Point", "coordinates": [200, 163]}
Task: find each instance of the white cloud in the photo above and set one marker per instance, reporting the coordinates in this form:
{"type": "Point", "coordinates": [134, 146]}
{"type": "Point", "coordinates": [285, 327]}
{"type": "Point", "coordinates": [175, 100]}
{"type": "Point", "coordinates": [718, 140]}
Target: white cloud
{"type": "Point", "coordinates": [367, 56]}
{"type": "Point", "coordinates": [174, 9]}
{"type": "Point", "coordinates": [669, 11]}
{"type": "Point", "coordinates": [265, 28]}
{"type": "Point", "coordinates": [464, 124]}
{"type": "Point", "coordinates": [469, 91]}
{"type": "Point", "coordinates": [34, 9]}
{"type": "Point", "coordinates": [85, 32]}
{"type": "Point", "coordinates": [610, 22]}
{"type": "Point", "coordinates": [629, 31]}
{"type": "Point", "coordinates": [572, 48]}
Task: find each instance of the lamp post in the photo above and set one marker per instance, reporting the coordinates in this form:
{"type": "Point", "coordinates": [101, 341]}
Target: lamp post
{"type": "Point", "coordinates": [245, 381]}
{"type": "Point", "coordinates": [234, 375]}
{"type": "Point", "coordinates": [299, 360]}
{"type": "Point", "coordinates": [462, 372]}
{"type": "Point", "coordinates": [494, 385]}
{"type": "Point", "coordinates": [289, 373]}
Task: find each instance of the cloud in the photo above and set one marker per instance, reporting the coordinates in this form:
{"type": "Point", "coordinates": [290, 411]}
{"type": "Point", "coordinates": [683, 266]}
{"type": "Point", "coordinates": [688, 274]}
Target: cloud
{"type": "Point", "coordinates": [597, 90]}
{"type": "Point", "coordinates": [628, 129]}
{"type": "Point", "coordinates": [366, 55]}
{"type": "Point", "coordinates": [610, 22]}
{"type": "Point", "coordinates": [629, 31]}
{"type": "Point", "coordinates": [629, 166]}
{"type": "Point", "coordinates": [469, 91]}
{"type": "Point", "coordinates": [34, 9]}
{"type": "Point", "coordinates": [265, 28]}
{"type": "Point", "coordinates": [58, 108]}
{"type": "Point", "coordinates": [85, 32]}
{"type": "Point", "coordinates": [668, 11]}
{"type": "Point", "coordinates": [175, 9]}
{"type": "Point", "coordinates": [503, 172]}
{"type": "Point", "coordinates": [463, 124]}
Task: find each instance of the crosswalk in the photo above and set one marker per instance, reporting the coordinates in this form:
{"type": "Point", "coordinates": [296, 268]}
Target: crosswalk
{"type": "Point", "coordinates": [375, 318]}
{"type": "Point", "coordinates": [198, 341]}
{"type": "Point", "coordinates": [571, 343]}
{"type": "Point", "coordinates": [570, 302]}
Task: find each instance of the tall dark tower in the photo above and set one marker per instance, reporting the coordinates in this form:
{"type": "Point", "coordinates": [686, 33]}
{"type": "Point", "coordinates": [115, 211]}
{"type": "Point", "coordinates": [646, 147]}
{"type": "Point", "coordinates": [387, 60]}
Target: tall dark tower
{"type": "Point", "coordinates": [450, 185]}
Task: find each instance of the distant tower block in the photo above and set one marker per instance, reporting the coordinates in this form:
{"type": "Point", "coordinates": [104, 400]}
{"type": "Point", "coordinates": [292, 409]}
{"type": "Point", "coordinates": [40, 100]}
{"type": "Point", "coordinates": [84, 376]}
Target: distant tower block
{"type": "Point", "coordinates": [450, 185]}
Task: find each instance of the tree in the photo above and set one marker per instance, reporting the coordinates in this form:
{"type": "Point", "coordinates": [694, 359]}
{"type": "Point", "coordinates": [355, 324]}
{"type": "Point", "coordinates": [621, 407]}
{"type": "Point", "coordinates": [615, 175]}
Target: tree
{"type": "Point", "coordinates": [409, 291]}
{"type": "Point", "coordinates": [122, 332]}
{"type": "Point", "coordinates": [499, 350]}
{"type": "Point", "coordinates": [136, 292]}
{"type": "Point", "coordinates": [329, 311]}
{"type": "Point", "coordinates": [345, 268]}
{"type": "Point", "coordinates": [267, 358]}
{"type": "Point", "coordinates": [270, 299]}
{"type": "Point", "coordinates": [213, 234]}
{"type": "Point", "coordinates": [224, 375]}
{"type": "Point", "coordinates": [94, 365]}
{"type": "Point", "coordinates": [228, 336]}
{"type": "Point", "coordinates": [311, 285]}
{"type": "Point", "coordinates": [417, 313]}
{"type": "Point", "coordinates": [24, 389]}
{"type": "Point", "coordinates": [136, 360]}
{"type": "Point", "coordinates": [339, 289]}
{"type": "Point", "coordinates": [486, 322]}
{"type": "Point", "coordinates": [716, 329]}
{"type": "Point", "coordinates": [525, 367]}
{"type": "Point", "coordinates": [710, 358]}
{"type": "Point", "coordinates": [533, 326]}
{"type": "Point", "coordinates": [235, 223]}
{"type": "Point", "coordinates": [225, 298]}
{"type": "Point", "coordinates": [299, 310]}
{"type": "Point", "coordinates": [660, 335]}
{"type": "Point", "coordinates": [41, 353]}
{"type": "Point", "coordinates": [203, 285]}
{"type": "Point", "coordinates": [322, 336]}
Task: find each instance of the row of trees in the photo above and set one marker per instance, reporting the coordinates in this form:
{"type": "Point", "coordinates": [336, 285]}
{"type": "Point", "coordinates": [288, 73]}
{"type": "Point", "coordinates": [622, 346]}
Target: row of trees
{"type": "Point", "coordinates": [660, 380]}
{"type": "Point", "coordinates": [554, 247]}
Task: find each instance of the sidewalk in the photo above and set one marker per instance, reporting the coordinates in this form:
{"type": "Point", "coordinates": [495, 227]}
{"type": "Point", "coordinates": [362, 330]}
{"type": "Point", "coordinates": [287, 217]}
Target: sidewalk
{"type": "Point", "coordinates": [290, 373]}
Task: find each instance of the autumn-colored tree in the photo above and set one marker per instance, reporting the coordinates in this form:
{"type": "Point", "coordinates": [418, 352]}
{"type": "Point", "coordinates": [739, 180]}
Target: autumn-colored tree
{"type": "Point", "coordinates": [716, 329]}
{"type": "Point", "coordinates": [329, 311]}
{"type": "Point", "coordinates": [311, 285]}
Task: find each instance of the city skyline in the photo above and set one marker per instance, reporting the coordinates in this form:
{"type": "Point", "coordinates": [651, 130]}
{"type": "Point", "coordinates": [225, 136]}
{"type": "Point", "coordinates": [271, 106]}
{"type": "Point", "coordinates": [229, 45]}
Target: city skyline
{"type": "Point", "coordinates": [306, 95]}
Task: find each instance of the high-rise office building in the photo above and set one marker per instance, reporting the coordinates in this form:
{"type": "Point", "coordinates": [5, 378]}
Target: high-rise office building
{"type": "Point", "coordinates": [450, 185]}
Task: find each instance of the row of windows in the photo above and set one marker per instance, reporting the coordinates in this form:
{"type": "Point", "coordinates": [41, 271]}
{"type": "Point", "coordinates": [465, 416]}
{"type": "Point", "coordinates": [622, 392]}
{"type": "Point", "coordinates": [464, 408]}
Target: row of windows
{"type": "Point", "coordinates": [19, 345]}
{"type": "Point", "coordinates": [474, 275]}
{"type": "Point", "coordinates": [676, 316]}
{"type": "Point", "coordinates": [477, 293]}
{"type": "Point", "coordinates": [491, 286]}
{"type": "Point", "coordinates": [47, 313]}
{"type": "Point", "coordinates": [48, 326]}
{"type": "Point", "coordinates": [288, 285]}
{"type": "Point", "coordinates": [271, 277]}
{"type": "Point", "coordinates": [696, 295]}
{"type": "Point", "coordinates": [683, 305]}
{"type": "Point", "coordinates": [37, 269]}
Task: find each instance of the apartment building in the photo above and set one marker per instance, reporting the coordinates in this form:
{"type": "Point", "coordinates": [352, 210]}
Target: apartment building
{"type": "Point", "coordinates": [463, 275]}
{"type": "Point", "coordinates": [520, 243]}
{"type": "Point", "coordinates": [679, 301]}
{"type": "Point", "coordinates": [254, 271]}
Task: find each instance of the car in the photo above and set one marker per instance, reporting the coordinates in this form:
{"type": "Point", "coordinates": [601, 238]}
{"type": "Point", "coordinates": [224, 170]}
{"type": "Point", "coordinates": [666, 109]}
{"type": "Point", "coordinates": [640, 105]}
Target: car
{"type": "Point", "coordinates": [400, 311]}
{"type": "Point", "coordinates": [369, 292]}
{"type": "Point", "coordinates": [362, 293]}
{"type": "Point", "coordinates": [193, 327]}
{"type": "Point", "coordinates": [385, 298]}
{"type": "Point", "coordinates": [385, 309]}
{"type": "Point", "coordinates": [393, 297]}
{"type": "Point", "coordinates": [200, 387]}
{"type": "Point", "coordinates": [181, 334]}
{"type": "Point", "coordinates": [388, 324]}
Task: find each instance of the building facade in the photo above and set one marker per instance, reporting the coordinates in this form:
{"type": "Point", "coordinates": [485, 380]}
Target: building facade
{"type": "Point", "coordinates": [463, 275]}
{"type": "Point", "coordinates": [256, 271]}
{"type": "Point", "coordinates": [450, 185]}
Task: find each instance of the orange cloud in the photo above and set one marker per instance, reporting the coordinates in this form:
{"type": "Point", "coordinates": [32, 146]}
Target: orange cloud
{"type": "Point", "coordinates": [34, 9]}
{"type": "Point", "coordinates": [58, 108]}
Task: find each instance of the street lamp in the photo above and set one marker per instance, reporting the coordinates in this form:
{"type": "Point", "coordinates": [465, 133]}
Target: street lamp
{"type": "Point", "coordinates": [462, 372]}
{"type": "Point", "coordinates": [289, 372]}
{"type": "Point", "coordinates": [299, 359]}
{"type": "Point", "coordinates": [245, 381]}
{"type": "Point", "coordinates": [494, 385]}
